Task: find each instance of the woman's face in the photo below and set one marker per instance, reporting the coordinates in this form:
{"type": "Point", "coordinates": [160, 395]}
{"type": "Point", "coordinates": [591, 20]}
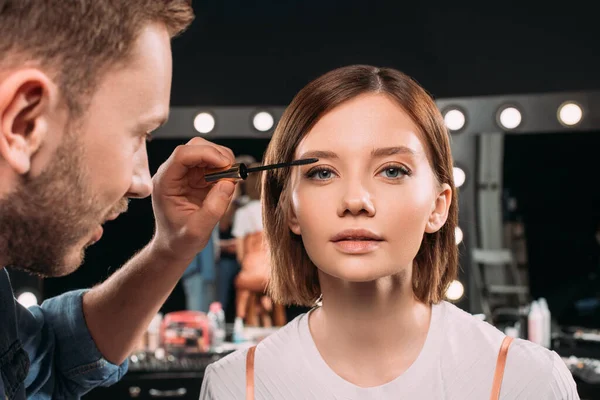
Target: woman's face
{"type": "Point", "coordinates": [363, 209]}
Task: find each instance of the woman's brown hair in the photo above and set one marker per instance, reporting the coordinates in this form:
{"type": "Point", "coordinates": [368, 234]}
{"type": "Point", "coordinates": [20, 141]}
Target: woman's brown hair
{"type": "Point", "coordinates": [294, 278]}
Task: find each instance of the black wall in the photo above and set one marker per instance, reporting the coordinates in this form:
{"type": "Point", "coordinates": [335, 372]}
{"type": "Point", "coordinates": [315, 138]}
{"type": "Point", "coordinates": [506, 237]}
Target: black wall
{"type": "Point", "coordinates": [236, 54]}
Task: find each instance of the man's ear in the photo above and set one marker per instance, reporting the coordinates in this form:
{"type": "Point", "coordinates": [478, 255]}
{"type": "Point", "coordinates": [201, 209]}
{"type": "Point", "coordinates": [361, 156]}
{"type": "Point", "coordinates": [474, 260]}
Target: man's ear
{"type": "Point", "coordinates": [439, 209]}
{"type": "Point", "coordinates": [26, 101]}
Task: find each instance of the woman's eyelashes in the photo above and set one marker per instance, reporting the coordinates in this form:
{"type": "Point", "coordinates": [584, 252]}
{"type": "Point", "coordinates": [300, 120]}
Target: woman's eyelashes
{"type": "Point", "coordinates": [319, 173]}
{"type": "Point", "coordinates": [389, 171]}
{"type": "Point", "coordinates": [395, 171]}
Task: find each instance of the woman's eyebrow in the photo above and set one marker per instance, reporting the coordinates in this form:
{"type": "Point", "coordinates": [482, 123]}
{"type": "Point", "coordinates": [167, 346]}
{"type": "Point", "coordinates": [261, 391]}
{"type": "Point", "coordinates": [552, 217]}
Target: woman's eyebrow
{"type": "Point", "coordinates": [390, 151]}
{"type": "Point", "coordinates": [375, 153]}
{"type": "Point", "coordinates": [319, 154]}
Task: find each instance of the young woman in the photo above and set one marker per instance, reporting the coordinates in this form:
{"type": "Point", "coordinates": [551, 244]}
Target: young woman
{"type": "Point", "coordinates": [370, 228]}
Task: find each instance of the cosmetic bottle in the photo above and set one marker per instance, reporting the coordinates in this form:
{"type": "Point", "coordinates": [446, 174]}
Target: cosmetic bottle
{"type": "Point", "coordinates": [547, 334]}
{"type": "Point", "coordinates": [535, 324]}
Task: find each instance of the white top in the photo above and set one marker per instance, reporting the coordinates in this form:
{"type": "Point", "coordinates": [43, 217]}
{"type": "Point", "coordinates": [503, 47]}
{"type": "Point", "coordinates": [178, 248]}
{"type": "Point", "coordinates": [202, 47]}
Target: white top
{"type": "Point", "coordinates": [457, 362]}
{"type": "Point", "coordinates": [247, 219]}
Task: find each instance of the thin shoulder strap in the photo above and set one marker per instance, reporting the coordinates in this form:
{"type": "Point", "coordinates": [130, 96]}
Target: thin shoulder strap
{"type": "Point", "coordinates": [500, 364]}
{"type": "Point", "coordinates": [250, 373]}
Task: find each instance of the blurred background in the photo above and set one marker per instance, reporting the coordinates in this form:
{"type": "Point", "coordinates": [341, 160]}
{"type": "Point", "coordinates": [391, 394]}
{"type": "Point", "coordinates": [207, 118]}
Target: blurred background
{"type": "Point", "coordinates": [519, 86]}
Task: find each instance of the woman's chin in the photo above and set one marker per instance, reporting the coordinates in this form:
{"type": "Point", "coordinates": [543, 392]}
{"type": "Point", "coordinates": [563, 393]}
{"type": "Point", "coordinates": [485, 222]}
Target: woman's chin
{"type": "Point", "coordinates": [356, 274]}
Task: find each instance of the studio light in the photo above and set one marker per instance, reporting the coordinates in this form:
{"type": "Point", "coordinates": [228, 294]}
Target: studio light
{"type": "Point", "coordinates": [459, 177]}
{"type": "Point", "coordinates": [455, 291]}
{"type": "Point", "coordinates": [455, 119]}
{"type": "Point", "coordinates": [569, 113]}
{"type": "Point", "coordinates": [263, 121]}
{"type": "Point", "coordinates": [27, 299]}
{"type": "Point", "coordinates": [510, 118]}
{"type": "Point", "coordinates": [204, 122]}
{"type": "Point", "coordinates": [458, 235]}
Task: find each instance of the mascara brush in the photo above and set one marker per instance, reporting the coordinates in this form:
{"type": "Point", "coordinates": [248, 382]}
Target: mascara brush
{"type": "Point", "coordinates": [240, 171]}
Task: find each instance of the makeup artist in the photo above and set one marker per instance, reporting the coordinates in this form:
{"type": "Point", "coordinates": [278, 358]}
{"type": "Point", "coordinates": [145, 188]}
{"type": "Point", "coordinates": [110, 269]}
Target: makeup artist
{"type": "Point", "coordinates": [82, 85]}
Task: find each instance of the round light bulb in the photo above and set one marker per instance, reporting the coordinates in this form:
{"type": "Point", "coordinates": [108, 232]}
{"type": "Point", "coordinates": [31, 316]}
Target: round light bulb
{"type": "Point", "coordinates": [27, 299]}
{"type": "Point", "coordinates": [459, 177]}
{"type": "Point", "coordinates": [510, 118]}
{"type": "Point", "coordinates": [458, 235]}
{"type": "Point", "coordinates": [204, 123]}
{"type": "Point", "coordinates": [570, 114]}
{"type": "Point", "coordinates": [263, 121]}
{"type": "Point", "coordinates": [455, 119]}
{"type": "Point", "coordinates": [455, 291]}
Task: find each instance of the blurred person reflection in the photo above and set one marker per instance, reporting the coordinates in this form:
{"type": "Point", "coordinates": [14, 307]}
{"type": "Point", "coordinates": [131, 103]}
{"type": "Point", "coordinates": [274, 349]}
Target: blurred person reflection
{"type": "Point", "coordinates": [199, 278]}
{"type": "Point", "coordinates": [252, 304]}
{"type": "Point", "coordinates": [228, 266]}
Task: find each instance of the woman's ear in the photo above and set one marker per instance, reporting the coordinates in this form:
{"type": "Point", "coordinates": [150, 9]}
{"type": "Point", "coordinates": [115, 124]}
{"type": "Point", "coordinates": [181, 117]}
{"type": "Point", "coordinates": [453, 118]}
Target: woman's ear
{"type": "Point", "coordinates": [293, 221]}
{"type": "Point", "coordinates": [292, 218]}
{"type": "Point", "coordinates": [439, 209]}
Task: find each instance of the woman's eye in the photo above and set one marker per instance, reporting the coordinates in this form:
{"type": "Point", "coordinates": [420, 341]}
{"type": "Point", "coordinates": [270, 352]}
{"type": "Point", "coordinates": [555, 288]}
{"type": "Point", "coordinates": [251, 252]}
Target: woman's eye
{"type": "Point", "coordinates": [392, 172]}
{"type": "Point", "coordinates": [319, 174]}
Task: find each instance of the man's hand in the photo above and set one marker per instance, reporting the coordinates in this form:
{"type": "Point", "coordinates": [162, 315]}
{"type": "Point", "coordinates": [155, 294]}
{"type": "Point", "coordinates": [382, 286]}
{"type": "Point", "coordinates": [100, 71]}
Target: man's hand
{"type": "Point", "coordinates": [186, 207]}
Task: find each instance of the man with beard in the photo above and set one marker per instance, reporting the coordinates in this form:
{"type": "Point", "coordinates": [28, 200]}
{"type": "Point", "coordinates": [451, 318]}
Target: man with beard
{"type": "Point", "coordinates": [82, 85]}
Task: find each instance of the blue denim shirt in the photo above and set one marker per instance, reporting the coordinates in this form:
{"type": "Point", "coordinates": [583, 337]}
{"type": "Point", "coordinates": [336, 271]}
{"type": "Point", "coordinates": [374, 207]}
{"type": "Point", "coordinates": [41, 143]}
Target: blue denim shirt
{"type": "Point", "coordinates": [47, 352]}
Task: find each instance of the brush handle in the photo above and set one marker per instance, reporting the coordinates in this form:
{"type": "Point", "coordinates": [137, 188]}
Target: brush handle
{"type": "Point", "coordinates": [236, 172]}
{"type": "Point", "coordinates": [283, 165]}
{"type": "Point", "coordinates": [240, 172]}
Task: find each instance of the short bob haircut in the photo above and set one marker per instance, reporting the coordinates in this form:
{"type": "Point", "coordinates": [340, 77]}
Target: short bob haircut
{"type": "Point", "coordinates": [294, 278]}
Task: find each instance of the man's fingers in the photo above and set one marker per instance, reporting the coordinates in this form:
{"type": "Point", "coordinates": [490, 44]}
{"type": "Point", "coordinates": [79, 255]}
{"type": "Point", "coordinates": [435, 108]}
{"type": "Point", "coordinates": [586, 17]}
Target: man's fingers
{"type": "Point", "coordinates": [214, 205]}
{"type": "Point", "coordinates": [190, 156]}
{"type": "Point", "coordinates": [227, 151]}
{"type": "Point", "coordinates": [198, 141]}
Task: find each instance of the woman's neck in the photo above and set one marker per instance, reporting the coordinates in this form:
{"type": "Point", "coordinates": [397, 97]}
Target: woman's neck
{"type": "Point", "coordinates": [378, 325]}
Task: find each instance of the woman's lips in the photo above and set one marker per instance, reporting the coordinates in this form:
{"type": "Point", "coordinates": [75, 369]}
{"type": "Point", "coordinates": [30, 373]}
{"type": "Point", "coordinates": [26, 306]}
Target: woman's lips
{"type": "Point", "coordinates": [352, 246]}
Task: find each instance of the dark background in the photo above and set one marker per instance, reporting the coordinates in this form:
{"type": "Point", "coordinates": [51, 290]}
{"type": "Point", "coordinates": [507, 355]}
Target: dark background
{"type": "Point", "coordinates": [555, 179]}
{"type": "Point", "coordinates": [263, 52]}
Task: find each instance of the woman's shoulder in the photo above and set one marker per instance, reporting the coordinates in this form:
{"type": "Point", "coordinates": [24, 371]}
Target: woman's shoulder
{"type": "Point", "coordinates": [277, 363]}
{"type": "Point", "coordinates": [226, 378]}
{"type": "Point", "coordinates": [473, 345]}
{"type": "Point", "coordinates": [471, 332]}
{"type": "Point", "coordinates": [469, 340]}
{"type": "Point", "coordinates": [277, 346]}
{"type": "Point", "coordinates": [466, 330]}
{"type": "Point", "coordinates": [538, 371]}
